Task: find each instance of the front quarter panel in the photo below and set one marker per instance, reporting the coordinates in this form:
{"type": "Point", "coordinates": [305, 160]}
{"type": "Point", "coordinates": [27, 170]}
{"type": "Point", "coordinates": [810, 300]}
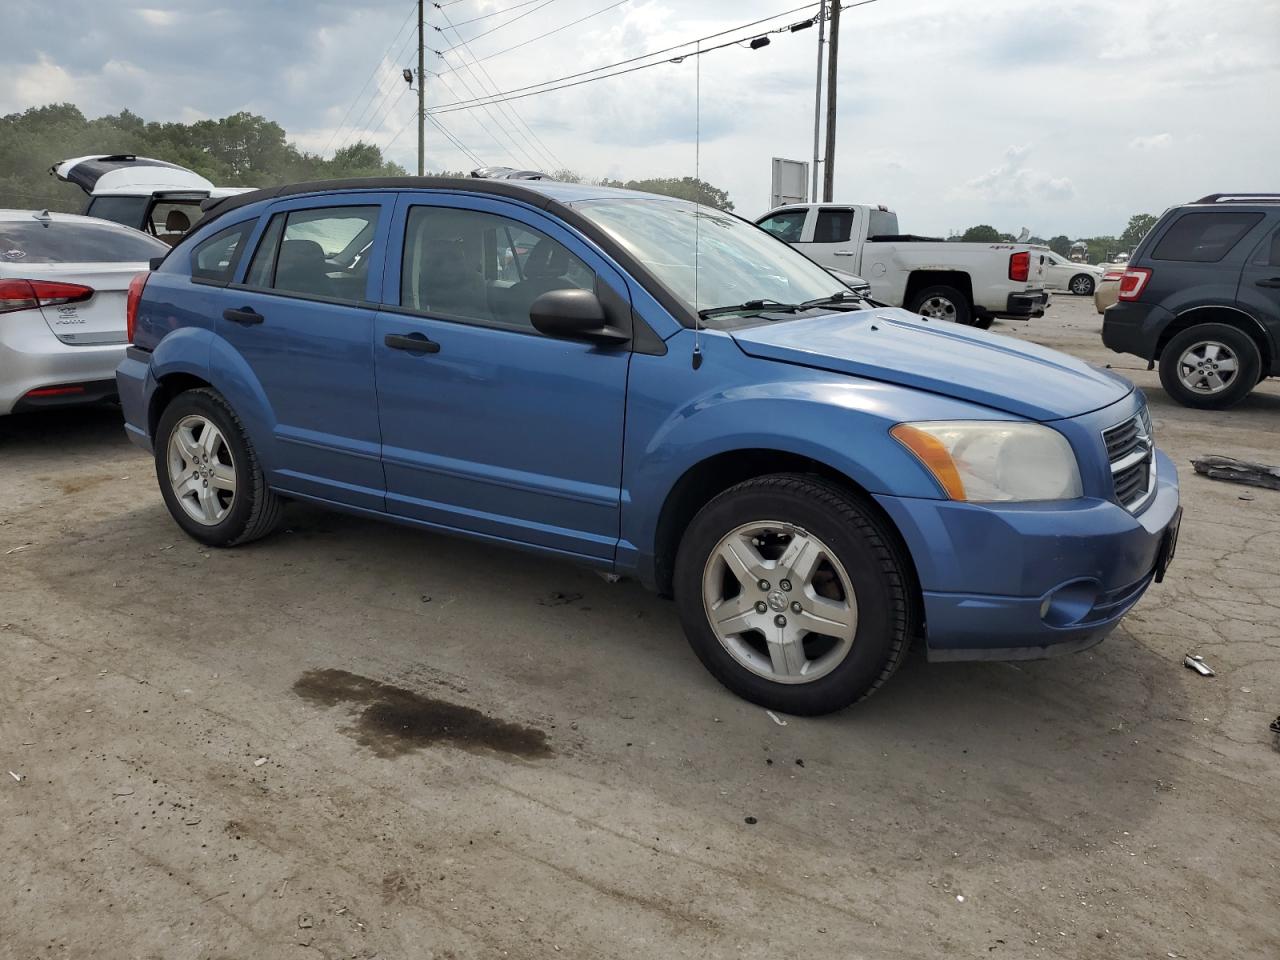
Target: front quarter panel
{"type": "Point", "coordinates": [678, 417]}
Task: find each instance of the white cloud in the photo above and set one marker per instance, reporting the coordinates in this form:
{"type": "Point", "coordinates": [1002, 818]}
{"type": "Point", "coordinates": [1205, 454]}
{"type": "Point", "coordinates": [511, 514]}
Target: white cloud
{"type": "Point", "coordinates": [157, 18]}
{"type": "Point", "coordinates": [1157, 141]}
{"type": "Point", "coordinates": [1013, 181]}
{"type": "Point", "coordinates": [40, 83]}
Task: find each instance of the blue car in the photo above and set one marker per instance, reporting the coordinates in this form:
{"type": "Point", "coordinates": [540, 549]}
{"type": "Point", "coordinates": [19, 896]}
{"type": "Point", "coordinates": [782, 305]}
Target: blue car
{"type": "Point", "coordinates": [657, 390]}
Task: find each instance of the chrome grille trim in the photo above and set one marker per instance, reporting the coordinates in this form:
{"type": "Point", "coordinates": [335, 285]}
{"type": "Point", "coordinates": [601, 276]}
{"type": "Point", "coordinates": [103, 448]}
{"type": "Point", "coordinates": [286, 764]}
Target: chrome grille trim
{"type": "Point", "coordinates": [1131, 453]}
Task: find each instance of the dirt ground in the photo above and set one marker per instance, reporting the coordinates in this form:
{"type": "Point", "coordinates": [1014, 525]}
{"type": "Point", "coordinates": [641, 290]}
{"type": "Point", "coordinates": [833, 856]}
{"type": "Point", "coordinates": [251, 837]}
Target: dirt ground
{"type": "Point", "coordinates": [358, 740]}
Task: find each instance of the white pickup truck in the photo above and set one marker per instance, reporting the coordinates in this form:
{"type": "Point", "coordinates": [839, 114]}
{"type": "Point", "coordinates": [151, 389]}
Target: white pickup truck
{"type": "Point", "coordinates": [970, 283]}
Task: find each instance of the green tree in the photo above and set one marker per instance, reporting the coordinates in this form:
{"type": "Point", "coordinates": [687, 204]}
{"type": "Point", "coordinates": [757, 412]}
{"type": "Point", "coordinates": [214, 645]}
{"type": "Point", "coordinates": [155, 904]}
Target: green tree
{"type": "Point", "coordinates": [1061, 245]}
{"type": "Point", "coordinates": [1140, 225]}
{"type": "Point", "coordinates": [982, 233]}
{"type": "Point", "coordinates": [686, 188]}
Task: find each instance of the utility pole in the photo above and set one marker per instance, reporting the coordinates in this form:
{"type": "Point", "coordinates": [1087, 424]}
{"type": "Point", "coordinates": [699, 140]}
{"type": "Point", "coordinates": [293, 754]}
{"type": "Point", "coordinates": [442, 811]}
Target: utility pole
{"type": "Point", "coordinates": [817, 100]}
{"type": "Point", "coordinates": [833, 53]}
{"type": "Point", "coordinates": [422, 97]}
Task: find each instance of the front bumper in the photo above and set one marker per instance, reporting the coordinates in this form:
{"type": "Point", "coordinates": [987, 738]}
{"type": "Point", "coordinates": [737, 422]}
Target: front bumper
{"type": "Point", "coordinates": [32, 358]}
{"type": "Point", "coordinates": [1023, 581]}
{"type": "Point", "coordinates": [1027, 304]}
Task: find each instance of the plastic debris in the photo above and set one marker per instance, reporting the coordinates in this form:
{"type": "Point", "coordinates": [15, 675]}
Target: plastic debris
{"type": "Point", "coordinates": [260, 761]}
{"type": "Point", "coordinates": [1196, 662]}
{"type": "Point", "coordinates": [18, 776]}
{"type": "Point", "coordinates": [305, 921]}
{"type": "Point", "coordinates": [1238, 471]}
{"type": "Point", "coordinates": [776, 719]}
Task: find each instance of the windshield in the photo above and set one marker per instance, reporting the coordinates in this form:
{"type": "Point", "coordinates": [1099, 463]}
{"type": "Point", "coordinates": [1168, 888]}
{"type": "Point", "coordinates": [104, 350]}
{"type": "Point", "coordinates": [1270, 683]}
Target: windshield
{"type": "Point", "coordinates": [70, 241]}
{"type": "Point", "coordinates": [737, 261]}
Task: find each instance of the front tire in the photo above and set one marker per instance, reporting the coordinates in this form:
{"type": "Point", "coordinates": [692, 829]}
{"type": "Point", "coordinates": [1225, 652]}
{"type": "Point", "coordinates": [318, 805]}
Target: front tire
{"type": "Point", "coordinates": [1082, 285]}
{"type": "Point", "coordinates": [793, 594]}
{"type": "Point", "coordinates": [209, 474]}
{"type": "Point", "coordinates": [1210, 366]}
{"type": "Point", "coordinates": [942, 303]}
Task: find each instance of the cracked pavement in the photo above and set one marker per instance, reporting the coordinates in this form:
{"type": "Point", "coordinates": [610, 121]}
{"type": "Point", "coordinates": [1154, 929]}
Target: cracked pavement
{"type": "Point", "coordinates": [200, 737]}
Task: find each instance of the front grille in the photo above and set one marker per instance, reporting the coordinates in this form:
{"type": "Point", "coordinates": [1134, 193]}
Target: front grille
{"type": "Point", "coordinates": [1131, 452]}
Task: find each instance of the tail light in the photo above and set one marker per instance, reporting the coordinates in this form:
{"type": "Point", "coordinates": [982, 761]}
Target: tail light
{"type": "Point", "coordinates": [131, 303]}
{"type": "Point", "coordinates": [1132, 282]}
{"type": "Point", "coordinates": [1020, 266]}
{"type": "Point", "coordinates": [28, 294]}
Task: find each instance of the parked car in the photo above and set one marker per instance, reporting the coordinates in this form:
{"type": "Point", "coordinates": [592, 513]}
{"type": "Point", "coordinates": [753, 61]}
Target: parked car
{"type": "Point", "coordinates": [157, 197]}
{"type": "Point", "coordinates": [851, 280]}
{"type": "Point", "coordinates": [1201, 297]}
{"type": "Point", "coordinates": [1082, 279]}
{"type": "Point", "coordinates": [1108, 291]}
{"type": "Point", "coordinates": [968, 283]}
{"type": "Point", "coordinates": [817, 480]}
{"type": "Point", "coordinates": [63, 280]}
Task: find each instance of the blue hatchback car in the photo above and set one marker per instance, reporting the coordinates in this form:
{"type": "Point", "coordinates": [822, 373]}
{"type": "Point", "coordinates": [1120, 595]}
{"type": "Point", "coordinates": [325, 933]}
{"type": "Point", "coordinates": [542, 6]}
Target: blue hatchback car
{"type": "Point", "coordinates": [653, 389]}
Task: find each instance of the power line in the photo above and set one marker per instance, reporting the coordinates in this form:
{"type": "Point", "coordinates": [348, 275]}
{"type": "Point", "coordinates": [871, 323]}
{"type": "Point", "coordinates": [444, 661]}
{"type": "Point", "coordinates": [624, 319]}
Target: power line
{"type": "Point", "coordinates": [485, 33]}
{"type": "Point", "coordinates": [456, 142]}
{"type": "Point", "coordinates": [494, 13]}
{"type": "Point", "coordinates": [482, 75]}
{"type": "Point", "coordinates": [645, 56]}
{"type": "Point", "coordinates": [574, 23]}
{"type": "Point", "coordinates": [412, 8]}
{"type": "Point", "coordinates": [547, 86]}
{"type": "Point", "coordinates": [374, 105]}
{"type": "Point", "coordinates": [481, 125]}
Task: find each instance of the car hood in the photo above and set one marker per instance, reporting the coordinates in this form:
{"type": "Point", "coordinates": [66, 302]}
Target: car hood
{"type": "Point", "coordinates": [898, 347]}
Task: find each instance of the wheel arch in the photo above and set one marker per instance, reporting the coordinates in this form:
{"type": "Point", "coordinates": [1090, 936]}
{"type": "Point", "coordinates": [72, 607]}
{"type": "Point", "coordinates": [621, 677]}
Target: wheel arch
{"type": "Point", "coordinates": [168, 387]}
{"type": "Point", "coordinates": [1220, 313]}
{"type": "Point", "coordinates": [708, 478]}
{"type": "Point", "coordinates": [922, 279]}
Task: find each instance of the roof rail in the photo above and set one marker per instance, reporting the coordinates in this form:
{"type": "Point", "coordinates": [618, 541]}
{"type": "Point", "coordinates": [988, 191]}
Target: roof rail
{"type": "Point", "coordinates": [1238, 198]}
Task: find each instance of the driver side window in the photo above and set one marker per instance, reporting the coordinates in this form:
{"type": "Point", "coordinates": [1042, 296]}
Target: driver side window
{"type": "Point", "coordinates": [482, 268]}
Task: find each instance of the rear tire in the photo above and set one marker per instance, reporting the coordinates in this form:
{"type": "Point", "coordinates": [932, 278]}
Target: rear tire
{"type": "Point", "coordinates": [843, 574]}
{"type": "Point", "coordinates": [1082, 285]}
{"type": "Point", "coordinates": [209, 473]}
{"type": "Point", "coordinates": [1210, 366]}
{"type": "Point", "coordinates": [942, 303]}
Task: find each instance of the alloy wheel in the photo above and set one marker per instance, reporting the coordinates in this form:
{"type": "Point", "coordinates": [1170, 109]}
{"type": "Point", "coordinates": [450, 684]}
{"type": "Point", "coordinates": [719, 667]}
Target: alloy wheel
{"type": "Point", "coordinates": [202, 473]}
{"type": "Point", "coordinates": [780, 602]}
{"type": "Point", "coordinates": [938, 308]}
{"type": "Point", "coordinates": [1208, 367]}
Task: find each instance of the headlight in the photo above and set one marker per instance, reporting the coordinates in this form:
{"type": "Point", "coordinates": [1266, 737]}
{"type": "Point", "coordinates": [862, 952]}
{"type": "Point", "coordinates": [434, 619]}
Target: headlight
{"type": "Point", "coordinates": [980, 460]}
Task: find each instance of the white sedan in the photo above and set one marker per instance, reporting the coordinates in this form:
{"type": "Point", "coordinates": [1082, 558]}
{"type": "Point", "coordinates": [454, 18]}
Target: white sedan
{"type": "Point", "coordinates": [1063, 274]}
{"type": "Point", "coordinates": [63, 284]}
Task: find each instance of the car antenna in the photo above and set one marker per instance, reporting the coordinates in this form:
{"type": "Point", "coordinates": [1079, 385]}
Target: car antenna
{"type": "Point", "coordinates": [697, 210]}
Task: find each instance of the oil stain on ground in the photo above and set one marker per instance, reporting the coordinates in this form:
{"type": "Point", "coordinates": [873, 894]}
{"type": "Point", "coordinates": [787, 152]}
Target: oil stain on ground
{"type": "Point", "coordinates": [392, 721]}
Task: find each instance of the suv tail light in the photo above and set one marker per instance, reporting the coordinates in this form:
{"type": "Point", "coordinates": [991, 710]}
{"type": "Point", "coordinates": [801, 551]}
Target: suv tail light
{"type": "Point", "coordinates": [131, 303]}
{"type": "Point", "coordinates": [28, 294]}
{"type": "Point", "coordinates": [1020, 266]}
{"type": "Point", "coordinates": [1132, 282]}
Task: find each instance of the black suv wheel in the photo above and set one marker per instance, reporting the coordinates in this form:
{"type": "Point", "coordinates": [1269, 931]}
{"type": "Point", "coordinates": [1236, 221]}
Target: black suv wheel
{"type": "Point", "coordinates": [1210, 366]}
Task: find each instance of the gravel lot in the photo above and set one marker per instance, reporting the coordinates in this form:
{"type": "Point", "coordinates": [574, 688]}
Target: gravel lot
{"type": "Point", "coordinates": [238, 753]}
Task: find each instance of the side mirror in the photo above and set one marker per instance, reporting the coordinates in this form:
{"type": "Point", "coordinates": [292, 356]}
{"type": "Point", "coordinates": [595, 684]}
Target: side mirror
{"type": "Point", "coordinates": [573, 314]}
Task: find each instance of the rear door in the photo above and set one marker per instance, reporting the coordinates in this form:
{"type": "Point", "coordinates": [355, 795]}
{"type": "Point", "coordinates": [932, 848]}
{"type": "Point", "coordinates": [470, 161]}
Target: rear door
{"type": "Point", "coordinates": [301, 318]}
{"type": "Point", "coordinates": [492, 427]}
{"type": "Point", "coordinates": [829, 241]}
{"type": "Point", "coordinates": [1259, 291]}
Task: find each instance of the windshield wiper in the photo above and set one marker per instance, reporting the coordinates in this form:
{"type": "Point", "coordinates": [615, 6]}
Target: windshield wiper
{"type": "Point", "coordinates": [751, 306]}
{"type": "Point", "coordinates": [842, 298]}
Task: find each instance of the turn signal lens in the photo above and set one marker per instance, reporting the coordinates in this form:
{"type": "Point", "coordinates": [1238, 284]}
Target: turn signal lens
{"type": "Point", "coordinates": [933, 453]}
{"type": "Point", "coordinates": [1020, 266]}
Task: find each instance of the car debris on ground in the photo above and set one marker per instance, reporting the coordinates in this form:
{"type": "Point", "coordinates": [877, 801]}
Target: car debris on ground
{"type": "Point", "coordinates": [1196, 662]}
{"type": "Point", "coordinates": [1216, 467]}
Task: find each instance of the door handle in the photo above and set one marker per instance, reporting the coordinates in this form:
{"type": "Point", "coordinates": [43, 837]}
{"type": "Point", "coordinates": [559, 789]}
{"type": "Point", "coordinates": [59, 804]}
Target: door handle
{"type": "Point", "coordinates": [844, 253]}
{"type": "Point", "coordinates": [412, 342]}
{"type": "Point", "coordinates": [245, 315]}
{"type": "Point", "coordinates": [1271, 282]}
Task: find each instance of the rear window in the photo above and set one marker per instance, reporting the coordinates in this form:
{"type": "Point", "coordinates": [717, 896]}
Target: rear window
{"type": "Point", "coordinates": [1204, 237]}
{"type": "Point", "coordinates": [882, 223]}
{"type": "Point", "coordinates": [67, 241]}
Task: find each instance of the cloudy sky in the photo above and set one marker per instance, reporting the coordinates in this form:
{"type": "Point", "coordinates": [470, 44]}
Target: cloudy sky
{"type": "Point", "coordinates": [1059, 115]}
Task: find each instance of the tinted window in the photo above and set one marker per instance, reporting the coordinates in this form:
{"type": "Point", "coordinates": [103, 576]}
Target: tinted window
{"type": "Point", "coordinates": [1204, 237]}
{"type": "Point", "coordinates": [787, 225]}
{"type": "Point", "coordinates": [882, 223]}
{"type": "Point", "coordinates": [482, 267]}
{"type": "Point", "coordinates": [216, 258]}
{"type": "Point", "coordinates": [319, 253]}
{"type": "Point", "coordinates": [131, 211]}
{"type": "Point", "coordinates": [68, 241]}
{"type": "Point", "coordinates": [833, 226]}
{"type": "Point", "coordinates": [1268, 254]}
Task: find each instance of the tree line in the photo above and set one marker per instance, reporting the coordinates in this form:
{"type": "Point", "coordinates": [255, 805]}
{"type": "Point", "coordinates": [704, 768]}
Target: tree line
{"type": "Point", "coordinates": [243, 149]}
{"type": "Point", "coordinates": [1101, 249]}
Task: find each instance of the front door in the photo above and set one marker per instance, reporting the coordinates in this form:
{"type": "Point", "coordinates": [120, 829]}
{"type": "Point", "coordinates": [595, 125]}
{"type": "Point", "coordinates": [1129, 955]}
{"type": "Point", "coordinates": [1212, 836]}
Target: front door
{"type": "Point", "coordinates": [1259, 291]}
{"type": "Point", "coordinates": [487, 425]}
{"type": "Point", "coordinates": [301, 318]}
{"type": "Point", "coordinates": [830, 241]}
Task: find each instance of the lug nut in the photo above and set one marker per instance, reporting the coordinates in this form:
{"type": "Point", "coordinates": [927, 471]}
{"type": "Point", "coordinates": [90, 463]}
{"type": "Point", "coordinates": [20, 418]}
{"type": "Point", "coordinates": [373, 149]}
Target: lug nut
{"type": "Point", "coordinates": [762, 584]}
{"type": "Point", "coordinates": [785, 584]}
{"type": "Point", "coordinates": [795, 607]}
{"type": "Point", "coordinates": [780, 620]}
{"type": "Point", "coordinates": [760, 607]}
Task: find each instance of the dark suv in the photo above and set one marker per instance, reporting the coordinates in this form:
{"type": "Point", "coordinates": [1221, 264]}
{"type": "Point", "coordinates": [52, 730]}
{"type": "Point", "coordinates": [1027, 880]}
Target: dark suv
{"type": "Point", "coordinates": [1201, 296]}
